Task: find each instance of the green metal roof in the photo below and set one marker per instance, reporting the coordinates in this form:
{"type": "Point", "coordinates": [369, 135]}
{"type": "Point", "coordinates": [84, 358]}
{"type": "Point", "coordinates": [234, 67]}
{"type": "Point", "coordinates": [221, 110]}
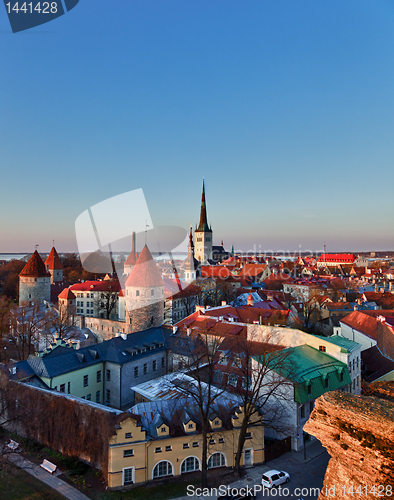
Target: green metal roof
{"type": "Point", "coordinates": [306, 366]}
{"type": "Point", "coordinates": [346, 344]}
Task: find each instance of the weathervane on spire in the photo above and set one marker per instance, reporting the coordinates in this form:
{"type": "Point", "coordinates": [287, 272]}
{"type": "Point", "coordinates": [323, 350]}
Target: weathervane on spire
{"type": "Point", "coordinates": [146, 229]}
{"type": "Point", "coordinates": [36, 246]}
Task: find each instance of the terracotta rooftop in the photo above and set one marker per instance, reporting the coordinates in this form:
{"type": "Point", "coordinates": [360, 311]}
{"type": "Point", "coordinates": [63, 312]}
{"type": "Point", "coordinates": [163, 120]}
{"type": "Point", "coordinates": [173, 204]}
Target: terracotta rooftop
{"type": "Point", "coordinates": [53, 261]}
{"type": "Point", "coordinates": [361, 322]}
{"type": "Point", "coordinates": [145, 272]}
{"type": "Point", "coordinates": [67, 294]}
{"type": "Point", "coordinates": [96, 286]}
{"type": "Point", "coordinates": [35, 268]}
{"type": "Point", "coordinates": [131, 259]}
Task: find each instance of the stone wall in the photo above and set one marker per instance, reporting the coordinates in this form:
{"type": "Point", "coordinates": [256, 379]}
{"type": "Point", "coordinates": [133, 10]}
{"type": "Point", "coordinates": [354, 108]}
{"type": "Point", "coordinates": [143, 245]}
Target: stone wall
{"type": "Point", "coordinates": [358, 433]}
{"type": "Point", "coordinates": [104, 329]}
{"type": "Point", "coordinates": [37, 289]}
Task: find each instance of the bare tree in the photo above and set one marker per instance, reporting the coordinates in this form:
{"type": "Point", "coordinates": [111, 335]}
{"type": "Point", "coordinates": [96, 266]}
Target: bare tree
{"type": "Point", "coordinates": [62, 323]}
{"type": "Point", "coordinates": [28, 325]}
{"type": "Point", "coordinates": [253, 369]}
{"type": "Point", "coordinates": [5, 307]}
{"type": "Point", "coordinates": [202, 355]}
{"type": "Point", "coordinates": [107, 300]}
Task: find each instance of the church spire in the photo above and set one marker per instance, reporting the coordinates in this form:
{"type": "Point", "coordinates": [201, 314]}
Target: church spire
{"type": "Point", "coordinates": [203, 226]}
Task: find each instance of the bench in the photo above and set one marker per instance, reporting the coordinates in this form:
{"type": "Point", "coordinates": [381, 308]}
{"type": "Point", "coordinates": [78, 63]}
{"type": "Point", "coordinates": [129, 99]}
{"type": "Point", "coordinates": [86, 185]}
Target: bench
{"type": "Point", "coordinates": [12, 445]}
{"type": "Point", "coordinates": [48, 466]}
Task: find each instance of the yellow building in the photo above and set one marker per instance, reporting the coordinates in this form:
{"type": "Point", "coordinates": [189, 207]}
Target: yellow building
{"type": "Point", "coordinates": [159, 441]}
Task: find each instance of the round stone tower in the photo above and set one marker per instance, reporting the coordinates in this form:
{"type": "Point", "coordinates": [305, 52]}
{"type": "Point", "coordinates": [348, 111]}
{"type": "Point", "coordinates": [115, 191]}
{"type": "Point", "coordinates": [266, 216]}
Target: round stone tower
{"type": "Point", "coordinates": [54, 266]}
{"type": "Point", "coordinates": [144, 294]}
{"type": "Point", "coordinates": [34, 281]}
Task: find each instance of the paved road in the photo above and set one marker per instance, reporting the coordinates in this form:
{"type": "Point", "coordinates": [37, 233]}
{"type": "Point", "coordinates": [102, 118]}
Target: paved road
{"type": "Point", "coordinates": [304, 473]}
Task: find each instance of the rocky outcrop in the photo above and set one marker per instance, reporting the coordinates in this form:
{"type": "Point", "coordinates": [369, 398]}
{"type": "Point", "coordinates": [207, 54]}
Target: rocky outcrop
{"type": "Point", "coordinates": [358, 433]}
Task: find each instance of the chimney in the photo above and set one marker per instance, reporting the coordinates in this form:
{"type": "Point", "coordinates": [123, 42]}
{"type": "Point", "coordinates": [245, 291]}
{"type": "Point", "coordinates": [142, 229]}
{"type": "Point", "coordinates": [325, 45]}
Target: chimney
{"type": "Point", "coordinates": [133, 243]}
{"type": "Point", "coordinates": [355, 307]}
{"type": "Point", "coordinates": [174, 329]}
{"type": "Point", "coordinates": [188, 332]}
{"type": "Point", "coordinates": [124, 336]}
{"type": "Point", "coordinates": [376, 288]}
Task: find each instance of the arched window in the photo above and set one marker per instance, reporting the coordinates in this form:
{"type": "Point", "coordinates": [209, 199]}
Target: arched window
{"type": "Point", "coordinates": [162, 469]}
{"type": "Point", "coordinates": [190, 464]}
{"type": "Point", "coordinates": [216, 460]}
{"type": "Point", "coordinates": [137, 293]}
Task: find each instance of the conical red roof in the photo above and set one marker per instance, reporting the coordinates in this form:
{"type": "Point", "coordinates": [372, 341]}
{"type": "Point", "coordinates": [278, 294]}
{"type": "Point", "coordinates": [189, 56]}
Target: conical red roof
{"type": "Point", "coordinates": [53, 260]}
{"type": "Point", "coordinates": [145, 272]}
{"type": "Point", "coordinates": [35, 268]}
{"type": "Point", "coordinates": [131, 259]}
{"type": "Point", "coordinates": [67, 294]}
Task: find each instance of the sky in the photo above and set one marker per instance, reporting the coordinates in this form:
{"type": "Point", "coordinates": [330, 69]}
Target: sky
{"type": "Point", "coordinates": [285, 107]}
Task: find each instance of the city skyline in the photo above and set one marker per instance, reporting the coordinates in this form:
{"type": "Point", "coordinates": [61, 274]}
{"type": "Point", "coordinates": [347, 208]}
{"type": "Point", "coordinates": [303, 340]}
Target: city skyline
{"type": "Point", "coordinates": [286, 109]}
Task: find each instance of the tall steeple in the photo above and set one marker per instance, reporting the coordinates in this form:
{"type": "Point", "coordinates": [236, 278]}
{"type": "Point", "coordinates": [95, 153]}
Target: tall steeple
{"type": "Point", "coordinates": [203, 234]}
{"type": "Point", "coordinates": [203, 214]}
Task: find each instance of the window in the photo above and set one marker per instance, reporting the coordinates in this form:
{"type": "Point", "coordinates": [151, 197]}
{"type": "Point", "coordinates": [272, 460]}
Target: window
{"type": "Point", "coordinates": [145, 368]}
{"type": "Point", "coordinates": [302, 411]}
{"type": "Point", "coordinates": [62, 388]}
{"type": "Point", "coordinates": [232, 379]}
{"type": "Point", "coordinates": [137, 293]}
{"type": "Point", "coordinates": [326, 382]}
{"type": "Point", "coordinates": [350, 367]}
{"type": "Point", "coordinates": [217, 422]}
{"type": "Point", "coordinates": [152, 292]}
{"type": "Point", "coordinates": [108, 375]}
{"type": "Point", "coordinates": [89, 397]}
{"type": "Point", "coordinates": [185, 445]}
{"type": "Point", "coordinates": [168, 448]}
{"type": "Point", "coordinates": [162, 469]}
{"type": "Point", "coordinates": [341, 377]}
{"type": "Point", "coordinates": [322, 348]}
{"type": "Point", "coordinates": [311, 407]}
{"type": "Point", "coordinates": [86, 380]}
{"type": "Point", "coordinates": [108, 396]}
{"type": "Point", "coordinates": [158, 449]}
{"type": "Point", "coordinates": [248, 435]}
{"type": "Point", "coordinates": [98, 376]}
{"type": "Point", "coordinates": [163, 362]}
{"type": "Point", "coordinates": [128, 475]}
{"type": "Point", "coordinates": [196, 444]}
{"type": "Point", "coordinates": [212, 441]}
{"type": "Point", "coordinates": [190, 426]}
{"type": "Point", "coordinates": [135, 371]}
{"type": "Point", "coordinates": [154, 365]}
{"type": "Point", "coordinates": [68, 387]}
{"type": "Point", "coordinates": [309, 388]}
{"type": "Point", "coordinates": [128, 453]}
{"type": "Point", "coordinates": [216, 460]}
{"type": "Point", "coordinates": [190, 464]}
{"type": "Point", "coordinates": [221, 440]}
{"type": "Point", "coordinates": [98, 397]}
{"type": "Point", "coordinates": [128, 435]}
{"type": "Point", "coordinates": [164, 429]}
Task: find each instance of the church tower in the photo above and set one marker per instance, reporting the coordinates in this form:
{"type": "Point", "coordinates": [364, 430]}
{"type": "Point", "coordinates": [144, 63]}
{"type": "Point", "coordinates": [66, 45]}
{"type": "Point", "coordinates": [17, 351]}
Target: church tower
{"type": "Point", "coordinates": [54, 266]}
{"type": "Point", "coordinates": [34, 281]}
{"type": "Point", "coordinates": [203, 234]}
{"type": "Point", "coordinates": [189, 270]}
{"type": "Point", "coordinates": [144, 294]}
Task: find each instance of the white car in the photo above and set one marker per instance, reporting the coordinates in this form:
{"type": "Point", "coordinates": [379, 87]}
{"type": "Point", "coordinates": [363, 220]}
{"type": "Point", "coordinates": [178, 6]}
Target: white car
{"type": "Point", "coordinates": [274, 478]}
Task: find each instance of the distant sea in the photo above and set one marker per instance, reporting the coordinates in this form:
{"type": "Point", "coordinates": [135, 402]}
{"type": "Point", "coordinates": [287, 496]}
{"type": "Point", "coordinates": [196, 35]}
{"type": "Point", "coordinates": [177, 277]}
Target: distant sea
{"type": "Point", "coordinates": [10, 256]}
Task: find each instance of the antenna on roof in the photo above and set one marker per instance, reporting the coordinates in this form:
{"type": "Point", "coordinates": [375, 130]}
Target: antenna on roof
{"type": "Point", "coordinates": [53, 243]}
{"type": "Point", "coordinates": [36, 246]}
{"type": "Point", "coordinates": [146, 229]}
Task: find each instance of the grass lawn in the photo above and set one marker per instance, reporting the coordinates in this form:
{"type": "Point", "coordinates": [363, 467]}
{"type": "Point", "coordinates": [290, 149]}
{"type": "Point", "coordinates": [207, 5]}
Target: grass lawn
{"type": "Point", "coordinates": [17, 484]}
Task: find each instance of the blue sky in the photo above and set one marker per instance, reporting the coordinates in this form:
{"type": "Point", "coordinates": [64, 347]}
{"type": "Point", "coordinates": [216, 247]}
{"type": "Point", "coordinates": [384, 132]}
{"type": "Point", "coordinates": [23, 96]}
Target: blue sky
{"type": "Point", "coordinates": [286, 108]}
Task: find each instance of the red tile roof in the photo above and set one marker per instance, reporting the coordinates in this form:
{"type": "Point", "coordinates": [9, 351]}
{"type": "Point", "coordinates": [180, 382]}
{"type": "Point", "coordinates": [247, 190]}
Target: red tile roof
{"type": "Point", "coordinates": [145, 272]}
{"type": "Point", "coordinates": [67, 294]}
{"type": "Point", "coordinates": [215, 271]}
{"type": "Point", "coordinates": [131, 259]}
{"type": "Point", "coordinates": [96, 286]}
{"type": "Point", "coordinates": [35, 268]}
{"type": "Point", "coordinates": [253, 270]}
{"type": "Point", "coordinates": [361, 322]}
{"type": "Point", "coordinates": [337, 257]}
{"type": "Point", "coordinates": [53, 261]}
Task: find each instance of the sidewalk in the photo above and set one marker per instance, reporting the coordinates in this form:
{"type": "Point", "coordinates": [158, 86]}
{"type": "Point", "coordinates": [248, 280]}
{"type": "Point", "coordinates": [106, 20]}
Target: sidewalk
{"type": "Point", "coordinates": [288, 462]}
{"type": "Point", "coordinates": [53, 481]}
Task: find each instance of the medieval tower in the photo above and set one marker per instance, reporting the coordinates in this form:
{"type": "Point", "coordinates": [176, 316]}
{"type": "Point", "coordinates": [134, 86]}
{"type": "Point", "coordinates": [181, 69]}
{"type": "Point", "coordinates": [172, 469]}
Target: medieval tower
{"type": "Point", "coordinates": [144, 294]}
{"type": "Point", "coordinates": [54, 266]}
{"type": "Point", "coordinates": [34, 281]}
{"type": "Point", "coordinates": [203, 234]}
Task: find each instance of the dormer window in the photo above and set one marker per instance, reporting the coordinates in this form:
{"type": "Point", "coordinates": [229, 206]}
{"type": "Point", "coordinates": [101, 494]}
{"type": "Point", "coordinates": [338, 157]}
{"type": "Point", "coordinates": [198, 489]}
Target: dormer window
{"type": "Point", "coordinates": [322, 348]}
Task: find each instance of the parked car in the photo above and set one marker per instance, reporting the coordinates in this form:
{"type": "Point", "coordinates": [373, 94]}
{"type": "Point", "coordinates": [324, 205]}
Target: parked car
{"type": "Point", "coordinates": [274, 478]}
